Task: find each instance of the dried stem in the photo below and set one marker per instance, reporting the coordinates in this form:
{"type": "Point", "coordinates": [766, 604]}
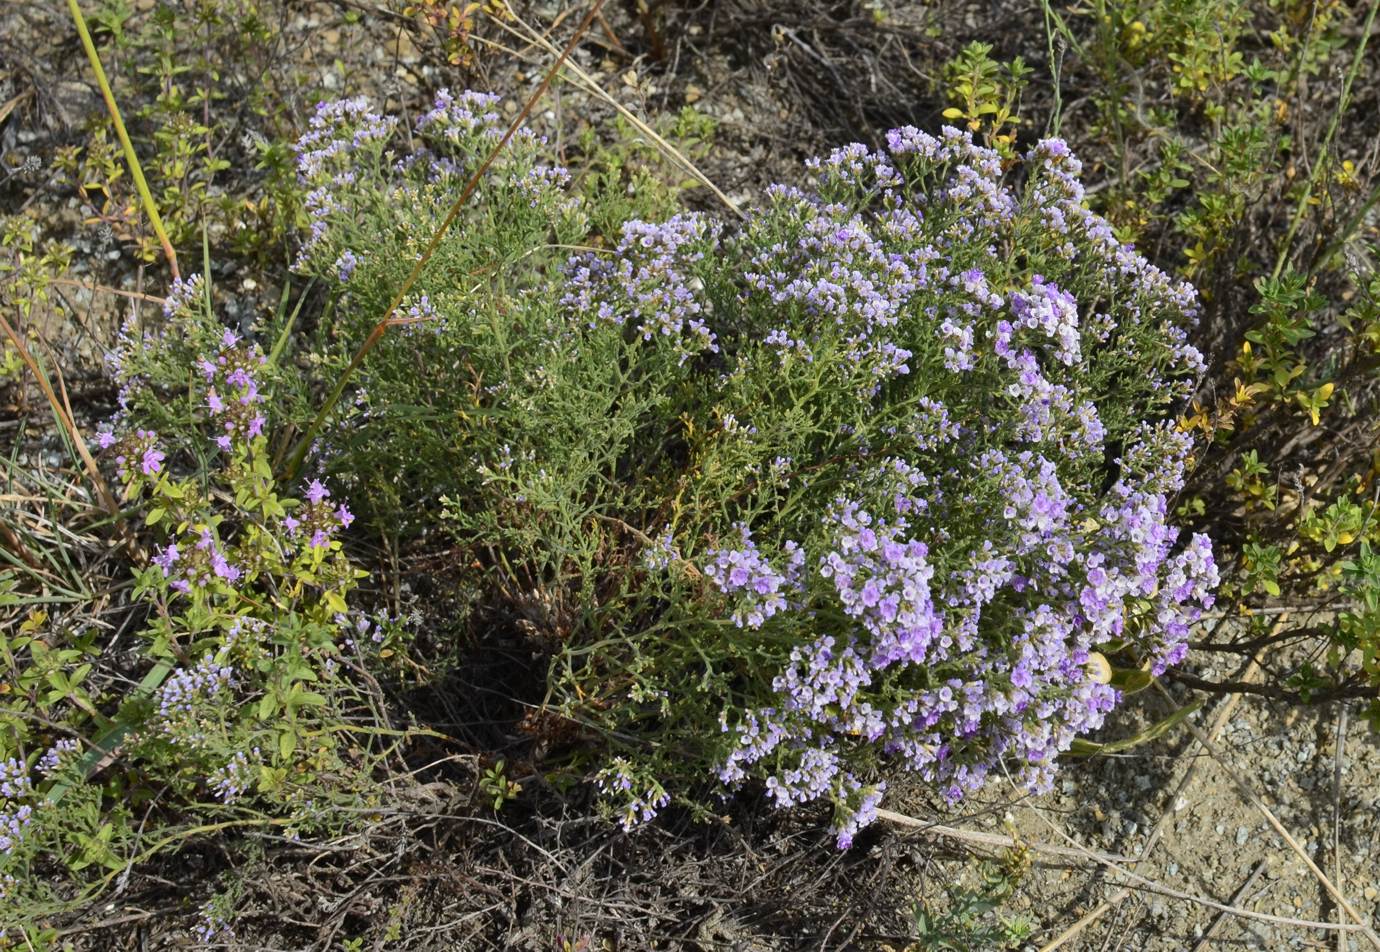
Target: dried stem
{"type": "Point", "coordinates": [107, 500]}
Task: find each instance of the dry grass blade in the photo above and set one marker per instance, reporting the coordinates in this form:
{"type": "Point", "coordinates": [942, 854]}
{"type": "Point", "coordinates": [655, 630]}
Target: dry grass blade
{"type": "Point", "coordinates": [103, 289]}
{"type": "Point", "coordinates": [8, 106]}
{"type": "Point", "coordinates": [591, 84]}
{"type": "Point", "coordinates": [1205, 942]}
{"type": "Point", "coordinates": [65, 419]}
{"type": "Point", "coordinates": [993, 839]}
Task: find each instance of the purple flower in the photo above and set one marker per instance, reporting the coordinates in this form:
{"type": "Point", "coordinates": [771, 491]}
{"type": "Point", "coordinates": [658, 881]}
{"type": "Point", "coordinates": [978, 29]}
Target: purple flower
{"type": "Point", "coordinates": [151, 462]}
{"type": "Point", "coordinates": [222, 567]}
{"type": "Point", "coordinates": [165, 559]}
{"type": "Point", "coordinates": [744, 572]}
{"type": "Point", "coordinates": [233, 395]}
{"type": "Point", "coordinates": [345, 265]}
{"type": "Point", "coordinates": [236, 777]}
{"type": "Point", "coordinates": [647, 283]}
{"type": "Point", "coordinates": [54, 757]}
{"type": "Point", "coordinates": [317, 492]}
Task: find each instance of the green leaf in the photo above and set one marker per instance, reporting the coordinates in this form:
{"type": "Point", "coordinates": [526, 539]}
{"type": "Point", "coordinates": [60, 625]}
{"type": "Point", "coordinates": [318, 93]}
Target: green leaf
{"type": "Point", "coordinates": [1088, 748]}
{"type": "Point", "coordinates": [109, 741]}
{"type": "Point", "coordinates": [1131, 680]}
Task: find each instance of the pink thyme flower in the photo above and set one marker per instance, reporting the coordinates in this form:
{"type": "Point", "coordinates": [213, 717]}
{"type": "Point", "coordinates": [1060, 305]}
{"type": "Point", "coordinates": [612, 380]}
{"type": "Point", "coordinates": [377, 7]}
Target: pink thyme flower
{"type": "Point", "coordinates": [152, 461]}
{"type": "Point", "coordinates": [166, 559]}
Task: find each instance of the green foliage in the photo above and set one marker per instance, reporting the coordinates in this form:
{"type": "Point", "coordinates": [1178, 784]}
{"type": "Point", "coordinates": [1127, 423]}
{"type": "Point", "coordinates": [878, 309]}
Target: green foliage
{"type": "Point", "coordinates": [453, 22]}
{"type": "Point", "coordinates": [970, 919]}
{"type": "Point", "coordinates": [986, 94]}
{"type": "Point", "coordinates": [29, 263]}
{"type": "Point", "coordinates": [591, 443]}
{"type": "Point", "coordinates": [240, 700]}
{"type": "Point", "coordinates": [1232, 132]}
{"type": "Point", "coordinates": [495, 783]}
{"type": "Point", "coordinates": [1358, 626]}
{"type": "Point", "coordinates": [623, 177]}
{"type": "Point", "coordinates": [203, 88]}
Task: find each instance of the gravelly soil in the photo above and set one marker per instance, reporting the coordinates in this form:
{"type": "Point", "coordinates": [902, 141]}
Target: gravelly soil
{"type": "Point", "coordinates": [1211, 838]}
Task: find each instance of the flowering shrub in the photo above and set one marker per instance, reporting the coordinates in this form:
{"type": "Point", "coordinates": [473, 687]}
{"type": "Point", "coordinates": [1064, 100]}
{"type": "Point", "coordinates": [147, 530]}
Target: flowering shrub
{"type": "Point", "coordinates": [860, 487]}
{"type": "Point", "coordinates": [936, 421]}
{"type": "Point", "coordinates": [246, 705]}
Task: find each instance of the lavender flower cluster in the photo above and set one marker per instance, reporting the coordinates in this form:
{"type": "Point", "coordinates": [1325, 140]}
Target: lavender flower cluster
{"type": "Point", "coordinates": [989, 660]}
{"type": "Point", "coordinates": [231, 369]}
{"type": "Point", "coordinates": [648, 283]}
{"type": "Point", "coordinates": [319, 520]}
{"type": "Point", "coordinates": [136, 454]}
{"type": "Point", "coordinates": [236, 776]}
{"type": "Point", "coordinates": [760, 590]}
{"type": "Point", "coordinates": [347, 163]}
{"type": "Point", "coordinates": [232, 391]}
{"type": "Point", "coordinates": [641, 798]}
{"type": "Point", "coordinates": [329, 155]}
{"type": "Point", "coordinates": [15, 816]}
{"type": "Point", "coordinates": [990, 345]}
{"type": "Point", "coordinates": [20, 801]}
{"type": "Point", "coordinates": [136, 340]}
{"type": "Point", "coordinates": [184, 696]}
